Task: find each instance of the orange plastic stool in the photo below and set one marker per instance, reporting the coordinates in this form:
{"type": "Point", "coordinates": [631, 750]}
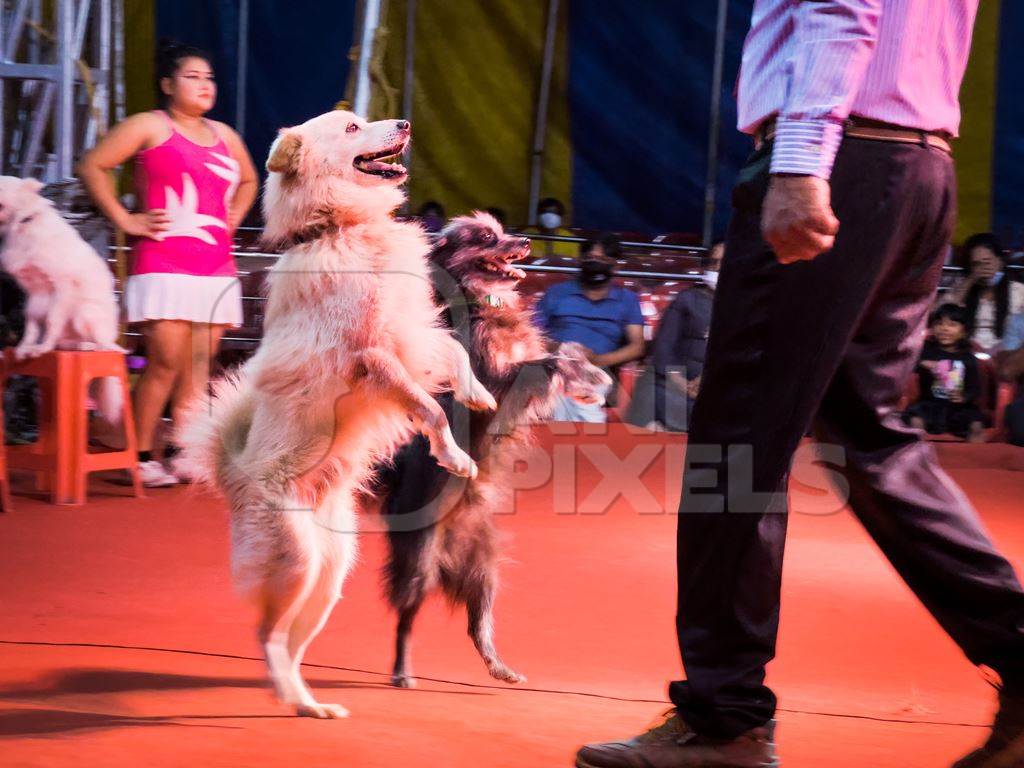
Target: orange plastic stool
{"type": "Point", "coordinates": [60, 457]}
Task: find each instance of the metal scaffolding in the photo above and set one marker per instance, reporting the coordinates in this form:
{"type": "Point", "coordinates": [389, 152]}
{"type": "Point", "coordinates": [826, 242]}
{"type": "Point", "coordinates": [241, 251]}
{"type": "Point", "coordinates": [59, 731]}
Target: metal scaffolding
{"type": "Point", "coordinates": [56, 74]}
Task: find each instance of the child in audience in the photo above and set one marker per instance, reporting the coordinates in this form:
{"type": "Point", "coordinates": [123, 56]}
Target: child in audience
{"type": "Point", "coordinates": [949, 381]}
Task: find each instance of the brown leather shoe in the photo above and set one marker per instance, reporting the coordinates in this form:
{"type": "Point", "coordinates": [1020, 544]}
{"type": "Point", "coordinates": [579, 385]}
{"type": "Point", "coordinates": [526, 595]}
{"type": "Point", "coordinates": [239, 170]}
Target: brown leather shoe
{"type": "Point", "coordinates": [1005, 747]}
{"type": "Point", "coordinates": [674, 745]}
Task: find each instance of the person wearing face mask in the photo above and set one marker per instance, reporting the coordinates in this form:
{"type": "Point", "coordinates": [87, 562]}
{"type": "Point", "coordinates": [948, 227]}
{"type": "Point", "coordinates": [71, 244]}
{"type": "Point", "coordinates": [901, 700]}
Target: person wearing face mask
{"type": "Point", "coordinates": [593, 311]}
{"type": "Point", "coordinates": [550, 221]}
{"type": "Point", "coordinates": [664, 395]}
{"type": "Point", "coordinates": [987, 292]}
{"type": "Point", "coordinates": [431, 215]}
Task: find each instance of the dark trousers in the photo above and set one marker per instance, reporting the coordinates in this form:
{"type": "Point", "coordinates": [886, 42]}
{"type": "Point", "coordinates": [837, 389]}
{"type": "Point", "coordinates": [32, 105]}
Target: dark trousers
{"type": "Point", "coordinates": [1015, 420]}
{"type": "Point", "coordinates": [829, 342]}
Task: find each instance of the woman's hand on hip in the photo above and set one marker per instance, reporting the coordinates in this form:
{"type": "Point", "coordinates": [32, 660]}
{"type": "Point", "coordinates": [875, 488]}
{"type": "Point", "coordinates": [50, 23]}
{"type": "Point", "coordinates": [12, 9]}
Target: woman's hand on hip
{"type": "Point", "coordinates": [148, 224]}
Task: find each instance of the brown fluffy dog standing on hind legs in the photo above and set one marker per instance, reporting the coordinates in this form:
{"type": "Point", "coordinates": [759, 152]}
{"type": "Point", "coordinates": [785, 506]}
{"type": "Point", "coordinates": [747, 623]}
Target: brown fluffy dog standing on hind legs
{"type": "Point", "coordinates": [352, 352]}
{"type": "Point", "coordinates": [441, 530]}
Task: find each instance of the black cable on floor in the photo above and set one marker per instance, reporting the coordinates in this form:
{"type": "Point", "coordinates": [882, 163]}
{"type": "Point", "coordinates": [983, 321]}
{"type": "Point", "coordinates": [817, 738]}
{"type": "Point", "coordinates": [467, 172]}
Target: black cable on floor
{"type": "Point", "coordinates": [607, 697]}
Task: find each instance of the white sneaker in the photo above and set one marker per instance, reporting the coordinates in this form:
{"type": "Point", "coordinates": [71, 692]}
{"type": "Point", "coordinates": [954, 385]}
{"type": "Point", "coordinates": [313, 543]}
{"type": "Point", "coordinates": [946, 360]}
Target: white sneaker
{"type": "Point", "coordinates": [154, 475]}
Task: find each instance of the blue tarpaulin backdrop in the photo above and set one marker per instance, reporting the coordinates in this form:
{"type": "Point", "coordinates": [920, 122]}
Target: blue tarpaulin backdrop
{"type": "Point", "coordinates": [638, 92]}
{"type": "Point", "coordinates": [639, 98]}
{"type": "Point", "coordinates": [297, 57]}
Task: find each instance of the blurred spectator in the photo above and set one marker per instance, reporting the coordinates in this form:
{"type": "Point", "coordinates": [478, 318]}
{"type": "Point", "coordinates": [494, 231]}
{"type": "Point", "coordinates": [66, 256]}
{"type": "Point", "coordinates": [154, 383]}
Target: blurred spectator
{"type": "Point", "coordinates": [949, 379]}
{"type": "Point", "coordinates": [550, 218]}
{"type": "Point", "coordinates": [431, 214]}
{"type": "Point", "coordinates": [1011, 368]}
{"type": "Point", "coordinates": [988, 293]}
{"type": "Point", "coordinates": [664, 395]}
{"type": "Point", "coordinates": [499, 214]}
{"type": "Point", "coordinates": [603, 317]}
{"type": "Point", "coordinates": [607, 246]}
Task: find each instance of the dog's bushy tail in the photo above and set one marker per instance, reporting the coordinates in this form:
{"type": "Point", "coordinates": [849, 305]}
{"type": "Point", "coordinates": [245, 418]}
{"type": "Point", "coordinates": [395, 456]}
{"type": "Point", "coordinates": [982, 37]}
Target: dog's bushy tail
{"type": "Point", "coordinates": [213, 430]}
{"type": "Point", "coordinates": [110, 400]}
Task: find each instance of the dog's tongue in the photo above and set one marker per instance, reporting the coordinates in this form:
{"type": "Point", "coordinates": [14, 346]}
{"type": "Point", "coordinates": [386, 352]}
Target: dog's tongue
{"type": "Point", "coordinates": [517, 273]}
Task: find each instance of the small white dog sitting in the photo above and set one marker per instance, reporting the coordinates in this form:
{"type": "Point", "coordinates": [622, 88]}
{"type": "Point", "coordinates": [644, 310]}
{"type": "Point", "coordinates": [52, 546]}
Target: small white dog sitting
{"type": "Point", "coordinates": [70, 289]}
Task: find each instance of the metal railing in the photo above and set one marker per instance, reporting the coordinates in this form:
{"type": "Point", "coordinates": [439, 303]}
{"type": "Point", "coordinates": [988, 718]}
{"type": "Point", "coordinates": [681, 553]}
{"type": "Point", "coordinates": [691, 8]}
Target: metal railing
{"type": "Point", "coordinates": [654, 251]}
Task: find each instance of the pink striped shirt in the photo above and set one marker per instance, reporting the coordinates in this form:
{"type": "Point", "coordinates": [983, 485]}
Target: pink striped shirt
{"type": "Point", "coordinates": [813, 63]}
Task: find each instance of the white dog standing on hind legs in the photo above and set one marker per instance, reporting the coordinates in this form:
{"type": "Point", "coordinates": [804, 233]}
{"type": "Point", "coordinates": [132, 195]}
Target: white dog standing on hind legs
{"type": "Point", "coordinates": [69, 288]}
{"type": "Point", "coordinates": [352, 354]}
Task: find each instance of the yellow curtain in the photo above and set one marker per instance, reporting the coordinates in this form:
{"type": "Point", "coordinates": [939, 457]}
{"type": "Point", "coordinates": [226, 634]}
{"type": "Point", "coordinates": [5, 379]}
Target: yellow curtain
{"type": "Point", "coordinates": [976, 146]}
{"type": "Point", "coordinates": [139, 49]}
{"type": "Point", "coordinates": [477, 75]}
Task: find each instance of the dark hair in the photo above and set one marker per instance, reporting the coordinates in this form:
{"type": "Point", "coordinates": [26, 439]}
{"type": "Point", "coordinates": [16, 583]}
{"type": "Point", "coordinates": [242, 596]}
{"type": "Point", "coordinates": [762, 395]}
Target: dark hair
{"type": "Point", "coordinates": [1001, 289]}
{"type": "Point", "coordinates": [551, 202]}
{"type": "Point", "coordinates": [957, 314]}
{"type": "Point", "coordinates": [169, 55]}
{"type": "Point", "coordinates": [499, 214]}
{"type": "Point", "coordinates": [980, 240]}
{"type": "Point", "coordinates": [610, 244]}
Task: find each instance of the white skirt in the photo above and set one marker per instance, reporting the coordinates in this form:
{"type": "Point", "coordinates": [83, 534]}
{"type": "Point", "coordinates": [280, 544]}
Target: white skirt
{"type": "Point", "coordinates": [213, 299]}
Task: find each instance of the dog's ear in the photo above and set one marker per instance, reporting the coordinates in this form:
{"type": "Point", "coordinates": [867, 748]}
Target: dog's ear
{"type": "Point", "coordinates": [32, 185]}
{"type": "Point", "coordinates": [284, 154]}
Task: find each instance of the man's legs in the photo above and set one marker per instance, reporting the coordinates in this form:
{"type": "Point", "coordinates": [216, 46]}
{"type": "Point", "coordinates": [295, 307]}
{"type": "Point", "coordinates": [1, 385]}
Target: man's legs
{"type": "Point", "coordinates": [915, 513]}
{"type": "Point", "coordinates": [779, 334]}
{"type": "Point", "coordinates": [1015, 421]}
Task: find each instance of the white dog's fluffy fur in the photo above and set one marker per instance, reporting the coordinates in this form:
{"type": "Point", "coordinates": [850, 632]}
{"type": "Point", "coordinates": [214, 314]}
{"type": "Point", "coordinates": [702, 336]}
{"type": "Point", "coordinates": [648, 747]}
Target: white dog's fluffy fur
{"type": "Point", "coordinates": [352, 352]}
{"type": "Point", "coordinates": [70, 289]}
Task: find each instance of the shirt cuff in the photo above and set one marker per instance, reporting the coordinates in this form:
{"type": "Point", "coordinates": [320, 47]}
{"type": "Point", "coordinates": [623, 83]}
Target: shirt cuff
{"type": "Point", "coordinates": [806, 147]}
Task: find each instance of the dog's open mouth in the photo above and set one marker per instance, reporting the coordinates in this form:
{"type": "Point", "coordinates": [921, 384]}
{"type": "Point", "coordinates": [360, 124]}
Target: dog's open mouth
{"type": "Point", "coordinates": [501, 269]}
{"type": "Point", "coordinates": [500, 264]}
{"type": "Point", "coordinates": [378, 163]}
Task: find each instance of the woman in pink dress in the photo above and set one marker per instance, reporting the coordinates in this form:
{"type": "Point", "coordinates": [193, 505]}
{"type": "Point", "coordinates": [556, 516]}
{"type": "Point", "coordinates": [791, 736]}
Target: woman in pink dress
{"type": "Point", "coordinates": [195, 183]}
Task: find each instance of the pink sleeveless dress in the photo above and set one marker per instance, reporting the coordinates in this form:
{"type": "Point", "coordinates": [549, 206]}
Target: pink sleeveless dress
{"type": "Point", "coordinates": [188, 273]}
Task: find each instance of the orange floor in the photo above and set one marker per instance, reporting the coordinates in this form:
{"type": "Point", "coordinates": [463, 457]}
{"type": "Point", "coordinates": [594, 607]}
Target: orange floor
{"type": "Point", "coordinates": [122, 644]}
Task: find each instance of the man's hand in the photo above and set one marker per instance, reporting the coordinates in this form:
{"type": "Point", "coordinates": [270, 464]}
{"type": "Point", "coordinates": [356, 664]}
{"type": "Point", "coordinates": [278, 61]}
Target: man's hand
{"type": "Point", "coordinates": [797, 218]}
{"type": "Point", "coordinates": [693, 388]}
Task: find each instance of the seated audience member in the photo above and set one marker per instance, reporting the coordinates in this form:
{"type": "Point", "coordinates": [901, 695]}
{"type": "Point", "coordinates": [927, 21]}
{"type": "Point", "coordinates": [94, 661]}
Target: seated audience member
{"type": "Point", "coordinates": [990, 295]}
{"type": "Point", "coordinates": [664, 395]}
{"type": "Point", "coordinates": [603, 317]}
{"type": "Point", "coordinates": [606, 247]}
{"type": "Point", "coordinates": [550, 218]}
{"type": "Point", "coordinates": [431, 215]}
{"type": "Point", "coordinates": [499, 214]}
{"type": "Point", "coordinates": [1011, 368]}
{"type": "Point", "coordinates": [949, 380]}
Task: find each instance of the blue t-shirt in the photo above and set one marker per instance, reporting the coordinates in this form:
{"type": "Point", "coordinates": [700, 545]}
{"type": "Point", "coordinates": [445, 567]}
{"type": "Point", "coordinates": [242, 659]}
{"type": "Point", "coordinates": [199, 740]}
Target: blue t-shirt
{"type": "Point", "coordinates": [1013, 334]}
{"type": "Point", "coordinates": [566, 314]}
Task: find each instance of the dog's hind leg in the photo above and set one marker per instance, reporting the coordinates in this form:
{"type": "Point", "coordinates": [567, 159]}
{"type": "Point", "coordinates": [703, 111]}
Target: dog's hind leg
{"type": "Point", "coordinates": [479, 591]}
{"type": "Point", "coordinates": [307, 624]}
{"type": "Point", "coordinates": [336, 536]}
{"type": "Point", "coordinates": [401, 672]}
{"type": "Point", "coordinates": [279, 550]}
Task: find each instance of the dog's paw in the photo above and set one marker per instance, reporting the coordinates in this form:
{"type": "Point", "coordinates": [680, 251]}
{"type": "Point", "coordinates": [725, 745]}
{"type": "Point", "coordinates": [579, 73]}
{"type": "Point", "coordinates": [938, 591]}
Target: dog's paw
{"type": "Point", "coordinates": [478, 398]}
{"type": "Point", "coordinates": [505, 674]}
{"type": "Point", "coordinates": [114, 348]}
{"type": "Point", "coordinates": [28, 352]}
{"type": "Point", "coordinates": [458, 462]}
{"type": "Point", "coordinates": [321, 711]}
{"type": "Point", "coordinates": [403, 681]}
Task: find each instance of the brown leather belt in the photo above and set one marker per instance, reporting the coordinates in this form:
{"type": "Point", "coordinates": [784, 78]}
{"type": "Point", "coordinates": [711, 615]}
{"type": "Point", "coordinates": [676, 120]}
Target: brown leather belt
{"type": "Point", "coordinates": [860, 128]}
